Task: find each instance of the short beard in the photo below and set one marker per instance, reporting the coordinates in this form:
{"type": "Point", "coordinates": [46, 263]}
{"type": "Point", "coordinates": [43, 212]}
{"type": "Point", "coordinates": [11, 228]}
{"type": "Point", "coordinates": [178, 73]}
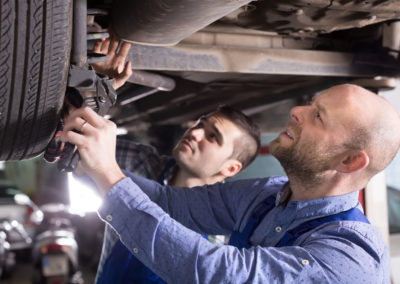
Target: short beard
{"type": "Point", "coordinates": [306, 164]}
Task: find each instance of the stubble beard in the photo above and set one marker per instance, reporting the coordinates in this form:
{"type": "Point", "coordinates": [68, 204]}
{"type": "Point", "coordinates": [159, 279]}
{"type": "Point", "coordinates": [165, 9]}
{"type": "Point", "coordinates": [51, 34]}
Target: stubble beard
{"type": "Point", "coordinates": [304, 163]}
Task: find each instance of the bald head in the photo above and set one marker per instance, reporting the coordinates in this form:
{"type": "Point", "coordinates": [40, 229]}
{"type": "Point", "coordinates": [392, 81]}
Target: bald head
{"type": "Point", "coordinates": [375, 125]}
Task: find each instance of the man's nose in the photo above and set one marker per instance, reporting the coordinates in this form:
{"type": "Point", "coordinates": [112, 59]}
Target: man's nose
{"type": "Point", "coordinates": [197, 134]}
{"type": "Point", "coordinates": [296, 114]}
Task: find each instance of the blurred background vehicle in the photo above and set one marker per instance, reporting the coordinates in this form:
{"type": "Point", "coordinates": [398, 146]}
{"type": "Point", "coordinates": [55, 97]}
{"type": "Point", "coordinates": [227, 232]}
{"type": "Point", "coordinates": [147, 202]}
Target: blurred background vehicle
{"type": "Point", "coordinates": [55, 250]}
{"type": "Point", "coordinates": [7, 257]}
{"type": "Point", "coordinates": [22, 214]}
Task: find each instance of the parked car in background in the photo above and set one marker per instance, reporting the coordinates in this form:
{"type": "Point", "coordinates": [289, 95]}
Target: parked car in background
{"type": "Point", "coordinates": [7, 257]}
{"type": "Point", "coordinates": [22, 216]}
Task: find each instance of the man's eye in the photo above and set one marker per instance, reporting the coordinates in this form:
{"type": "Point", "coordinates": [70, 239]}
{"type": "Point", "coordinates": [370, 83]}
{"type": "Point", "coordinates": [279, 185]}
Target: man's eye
{"type": "Point", "coordinates": [318, 115]}
{"type": "Point", "coordinates": [212, 136]}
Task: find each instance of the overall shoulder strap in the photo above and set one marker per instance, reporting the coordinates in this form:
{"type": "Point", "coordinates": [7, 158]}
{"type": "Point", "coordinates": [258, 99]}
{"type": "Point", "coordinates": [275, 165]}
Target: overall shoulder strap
{"type": "Point", "coordinates": [241, 239]}
{"type": "Point", "coordinates": [291, 236]}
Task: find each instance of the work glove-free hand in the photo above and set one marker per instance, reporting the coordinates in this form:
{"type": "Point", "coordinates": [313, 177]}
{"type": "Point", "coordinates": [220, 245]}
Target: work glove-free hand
{"type": "Point", "coordinates": [96, 143]}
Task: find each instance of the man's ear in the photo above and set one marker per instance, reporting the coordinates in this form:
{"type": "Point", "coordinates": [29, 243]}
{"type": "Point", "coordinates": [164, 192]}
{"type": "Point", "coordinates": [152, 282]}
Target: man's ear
{"type": "Point", "coordinates": [353, 161]}
{"type": "Point", "coordinates": [231, 168]}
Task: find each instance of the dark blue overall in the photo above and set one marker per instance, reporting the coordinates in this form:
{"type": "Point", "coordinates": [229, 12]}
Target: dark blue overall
{"type": "Point", "coordinates": [241, 239]}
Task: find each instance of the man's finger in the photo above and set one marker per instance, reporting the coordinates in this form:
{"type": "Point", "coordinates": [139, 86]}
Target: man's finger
{"type": "Point", "coordinates": [92, 117]}
{"type": "Point", "coordinates": [123, 76]}
{"type": "Point", "coordinates": [97, 46]}
{"type": "Point", "coordinates": [85, 114]}
{"type": "Point", "coordinates": [74, 123]}
{"type": "Point", "coordinates": [80, 125]}
{"type": "Point", "coordinates": [113, 46]}
{"type": "Point", "coordinates": [73, 137]}
{"type": "Point", "coordinates": [124, 50]}
{"type": "Point", "coordinates": [105, 45]}
{"type": "Point", "coordinates": [127, 72]}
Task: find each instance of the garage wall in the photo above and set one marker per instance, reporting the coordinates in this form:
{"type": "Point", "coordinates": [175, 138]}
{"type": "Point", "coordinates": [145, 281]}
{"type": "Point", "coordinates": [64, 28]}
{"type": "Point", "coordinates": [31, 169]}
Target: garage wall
{"type": "Point", "coordinates": [392, 178]}
{"type": "Point", "coordinates": [392, 172]}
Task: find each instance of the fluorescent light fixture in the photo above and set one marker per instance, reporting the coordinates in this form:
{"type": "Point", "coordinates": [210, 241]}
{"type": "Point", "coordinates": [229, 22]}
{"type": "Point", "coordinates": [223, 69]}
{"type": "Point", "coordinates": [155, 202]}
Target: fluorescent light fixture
{"type": "Point", "coordinates": [122, 131]}
{"type": "Point", "coordinates": [83, 199]}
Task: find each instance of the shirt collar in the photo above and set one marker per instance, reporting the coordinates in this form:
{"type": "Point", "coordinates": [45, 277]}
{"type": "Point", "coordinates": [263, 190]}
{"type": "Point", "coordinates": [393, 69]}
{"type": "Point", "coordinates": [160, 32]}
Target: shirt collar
{"type": "Point", "coordinates": [283, 195]}
{"type": "Point", "coordinates": [318, 206]}
{"type": "Point", "coordinates": [169, 171]}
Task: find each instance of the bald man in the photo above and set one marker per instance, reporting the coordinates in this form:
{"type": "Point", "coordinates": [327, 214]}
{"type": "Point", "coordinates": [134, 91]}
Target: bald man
{"type": "Point", "coordinates": [307, 228]}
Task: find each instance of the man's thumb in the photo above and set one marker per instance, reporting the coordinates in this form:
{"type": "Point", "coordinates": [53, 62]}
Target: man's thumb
{"type": "Point", "coordinates": [124, 76]}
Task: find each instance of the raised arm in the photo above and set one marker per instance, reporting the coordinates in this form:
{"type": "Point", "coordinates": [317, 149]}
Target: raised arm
{"type": "Point", "coordinates": [221, 203]}
{"type": "Point", "coordinates": [215, 209]}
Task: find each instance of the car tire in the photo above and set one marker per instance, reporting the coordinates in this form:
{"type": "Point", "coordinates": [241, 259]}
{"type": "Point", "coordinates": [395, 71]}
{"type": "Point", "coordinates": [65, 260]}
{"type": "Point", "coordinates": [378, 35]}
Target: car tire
{"type": "Point", "coordinates": [35, 43]}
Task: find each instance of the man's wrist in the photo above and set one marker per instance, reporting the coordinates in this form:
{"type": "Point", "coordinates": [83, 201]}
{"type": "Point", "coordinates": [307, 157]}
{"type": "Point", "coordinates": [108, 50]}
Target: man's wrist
{"type": "Point", "coordinates": [107, 180]}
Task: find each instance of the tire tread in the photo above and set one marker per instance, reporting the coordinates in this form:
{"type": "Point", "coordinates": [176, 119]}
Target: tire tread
{"type": "Point", "coordinates": [41, 57]}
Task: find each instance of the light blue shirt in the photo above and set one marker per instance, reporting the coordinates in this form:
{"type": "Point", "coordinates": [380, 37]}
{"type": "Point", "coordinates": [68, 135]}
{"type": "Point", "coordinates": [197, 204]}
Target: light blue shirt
{"type": "Point", "coordinates": [142, 160]}
{"type": "Point", "coordinates": [163, 227]}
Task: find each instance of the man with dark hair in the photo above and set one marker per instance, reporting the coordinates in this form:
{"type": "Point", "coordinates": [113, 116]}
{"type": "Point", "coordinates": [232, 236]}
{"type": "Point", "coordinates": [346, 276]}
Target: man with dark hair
{"type": "Point", "coordinates": [247, 145]}
{"type": "Point", "coordinates": [244, 146]}
{"type": "Point", "coordinates": [308, 228]}
{"type": "Point", "coordinates": [218, 146]}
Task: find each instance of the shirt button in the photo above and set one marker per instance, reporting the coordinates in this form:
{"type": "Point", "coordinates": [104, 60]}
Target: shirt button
{"type": "Point", "coordinates": [305, 262]}
{"type": "Point", "coordinates": [278, 229]}
{"type": "Point", "coordinates": [135, 250]}
{"type": "Point", "coordinates": [109, 218]}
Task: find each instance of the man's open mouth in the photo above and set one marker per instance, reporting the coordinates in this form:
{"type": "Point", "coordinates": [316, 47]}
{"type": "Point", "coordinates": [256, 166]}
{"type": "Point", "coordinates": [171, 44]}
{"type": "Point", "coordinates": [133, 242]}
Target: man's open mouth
{"type": "Point", "coordinates": [289, 134]}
